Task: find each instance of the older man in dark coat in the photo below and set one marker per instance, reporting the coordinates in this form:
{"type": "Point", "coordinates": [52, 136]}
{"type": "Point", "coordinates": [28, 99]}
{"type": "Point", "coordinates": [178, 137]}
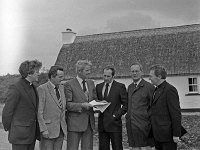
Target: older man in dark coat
{"type": "Point", "coordinates": [165, 111]}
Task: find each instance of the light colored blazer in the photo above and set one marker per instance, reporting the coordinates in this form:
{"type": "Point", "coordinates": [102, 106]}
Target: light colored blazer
{"type": "Point", "coordinates": [50, 115]}
{"type": "Point", "coordinates": [78, 118]}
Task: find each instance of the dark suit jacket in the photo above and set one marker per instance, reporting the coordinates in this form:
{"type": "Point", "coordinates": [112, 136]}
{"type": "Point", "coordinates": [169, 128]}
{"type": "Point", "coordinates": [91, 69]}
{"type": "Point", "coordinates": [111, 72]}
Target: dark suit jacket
{"type": "Point", "coordinates": [77, 118]}
{"type": "Point", "coordinates": [19, 115]}
{"type": "Point", "coordinates": [117, 96]}
{"type": "Point", "coordinates": [165, 113]}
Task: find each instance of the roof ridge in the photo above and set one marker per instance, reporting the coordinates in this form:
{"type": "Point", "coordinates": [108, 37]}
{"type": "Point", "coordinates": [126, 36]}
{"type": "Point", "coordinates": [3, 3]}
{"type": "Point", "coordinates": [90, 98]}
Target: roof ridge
{"type": "Point", "coordinates": [138, 33]}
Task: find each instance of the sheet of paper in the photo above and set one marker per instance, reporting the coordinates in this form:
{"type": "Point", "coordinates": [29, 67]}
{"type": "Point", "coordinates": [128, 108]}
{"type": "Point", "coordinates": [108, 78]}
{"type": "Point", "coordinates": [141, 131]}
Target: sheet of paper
{"type": "Point", "coordinates": [101, 108]}
{"type": "Point", "coordinates": [100, 103]}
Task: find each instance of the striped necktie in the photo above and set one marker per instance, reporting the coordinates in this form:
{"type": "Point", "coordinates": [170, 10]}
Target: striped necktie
{"type": "Point", "coordinates": [58, 97]}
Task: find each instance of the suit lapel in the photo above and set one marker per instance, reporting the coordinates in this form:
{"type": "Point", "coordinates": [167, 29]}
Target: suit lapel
{"type": "Point", "coordinates": [89, 86]}
{"type": "Point", "coordinates": [79, 88]}
{"type": "Point", "coordinates": [112, 89]}
{"type": "Point", "coordinates": [30, 98]}
{"type": "Point", "coordinates": [158, 92]}
{"type": "Point", "coordinates": [37, 97]}
{"type": "Point", "coordinates": [133, 90]}
{"type": "Point", "coordinates": [100, 90]}
{"type": "Point", "coordinates": [53, 94]}
{"type": "Point", "coordinates": [61, 88]}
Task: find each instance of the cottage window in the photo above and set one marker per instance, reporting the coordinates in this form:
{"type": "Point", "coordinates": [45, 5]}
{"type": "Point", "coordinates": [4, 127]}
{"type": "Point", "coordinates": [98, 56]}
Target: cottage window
{"type": "Point", "coordinates": [193, 85]}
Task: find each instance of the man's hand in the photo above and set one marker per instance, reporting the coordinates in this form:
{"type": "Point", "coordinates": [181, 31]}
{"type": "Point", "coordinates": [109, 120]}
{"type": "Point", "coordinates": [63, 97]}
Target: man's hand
{"type": "Point", "coordinates": [176, 139]}
{"type": "Point", "coordinates": [96, 110]}
{"type": "Point", "coordinates": [45, 134]}
{"type": "Point", "coordinates": [86, 105]}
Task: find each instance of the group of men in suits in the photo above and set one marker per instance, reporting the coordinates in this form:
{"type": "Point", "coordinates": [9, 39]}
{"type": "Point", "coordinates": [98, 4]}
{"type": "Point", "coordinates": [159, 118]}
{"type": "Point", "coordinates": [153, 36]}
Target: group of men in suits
{"type": "Point", "coordinates": [54, 112]}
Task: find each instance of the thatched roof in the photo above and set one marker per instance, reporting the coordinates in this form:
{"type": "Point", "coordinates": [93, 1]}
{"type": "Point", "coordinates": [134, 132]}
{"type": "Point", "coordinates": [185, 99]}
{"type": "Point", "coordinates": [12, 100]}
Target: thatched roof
{"type": "Point", "coordinates": [177, 48]}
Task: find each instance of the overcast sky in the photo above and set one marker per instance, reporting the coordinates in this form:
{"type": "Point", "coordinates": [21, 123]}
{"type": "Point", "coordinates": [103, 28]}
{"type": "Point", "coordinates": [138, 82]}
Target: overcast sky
{"type": "Point", "coordinates": [31, 29]}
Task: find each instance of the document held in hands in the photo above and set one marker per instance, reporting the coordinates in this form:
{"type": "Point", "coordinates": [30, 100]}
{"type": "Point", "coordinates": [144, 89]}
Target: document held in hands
{"type": "Point", "coordinates": [101, 105]}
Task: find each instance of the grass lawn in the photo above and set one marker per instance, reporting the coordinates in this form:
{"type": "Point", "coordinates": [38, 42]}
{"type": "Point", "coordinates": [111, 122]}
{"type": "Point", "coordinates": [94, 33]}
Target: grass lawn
{"type": "Point", "coordinates": [190, 141]}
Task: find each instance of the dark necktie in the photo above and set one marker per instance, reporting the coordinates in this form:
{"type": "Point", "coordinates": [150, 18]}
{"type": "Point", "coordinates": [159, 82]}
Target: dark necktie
{"type": "Point", "coordinates": [106, 92]}
{"type": "Point", "coordinates": [57, 93]}
{"type": "Point", "coordinates": [84, 86]}
{"type": "Point", "coordinates": [154, 93]}
{"type": "Point", "coordinates": [135, 85]}
{"type": "Point", "coordinates": [58, 96]}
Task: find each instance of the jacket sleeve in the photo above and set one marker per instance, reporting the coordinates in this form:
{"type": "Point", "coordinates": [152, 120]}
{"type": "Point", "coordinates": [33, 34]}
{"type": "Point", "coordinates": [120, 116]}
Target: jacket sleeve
{"type": "Point", "coordinates": [124, 102]}
{"type": "Point", "coordinates": [42, 100]}
{"type": "Point", "coordinates": [174, 111]}
{"type": "Point", "coordinates": [10, 105]}
{"type": "Point", "coordinates": [71, 106]}
{"type": "Point", "coordinates": [94, 93]}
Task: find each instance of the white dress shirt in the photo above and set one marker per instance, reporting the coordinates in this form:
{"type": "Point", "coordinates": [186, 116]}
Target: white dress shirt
{"type": "Point", "coordinates": [104, 87]}
{"type": "Point", "coordinates": [80, 82]}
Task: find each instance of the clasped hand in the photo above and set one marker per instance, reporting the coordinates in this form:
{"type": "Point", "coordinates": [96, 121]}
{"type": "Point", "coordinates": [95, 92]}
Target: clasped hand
{"type": "Point", "coordinates": [176, 139]}
{"type": "Point", "coordinates": [86, 105]}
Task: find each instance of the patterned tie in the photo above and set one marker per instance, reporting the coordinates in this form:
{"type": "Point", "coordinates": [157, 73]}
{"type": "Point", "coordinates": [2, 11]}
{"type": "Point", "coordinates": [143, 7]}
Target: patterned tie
{"type": "Point", "coordinates": [84, 86]}
{"type": "Point", "coordinates": [58, 96]}
{"type": "Point", "coordinates": [154, 93]}
{"type": "Point", "coordinates": [106, 92]}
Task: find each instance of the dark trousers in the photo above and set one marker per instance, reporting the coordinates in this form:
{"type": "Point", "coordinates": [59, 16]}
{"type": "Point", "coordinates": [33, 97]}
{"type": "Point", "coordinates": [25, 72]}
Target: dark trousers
{"type": "Point", "coordinates": [23, 146]}
{"type": "Point", "coordinates": [114, 137]}
{"type": "Point", "coordinates": [165, 145]}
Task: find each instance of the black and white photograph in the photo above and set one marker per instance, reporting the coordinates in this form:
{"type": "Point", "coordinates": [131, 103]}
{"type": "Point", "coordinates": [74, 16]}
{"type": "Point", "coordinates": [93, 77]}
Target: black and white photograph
{"type": "Point", "coordinates": [100, 75]}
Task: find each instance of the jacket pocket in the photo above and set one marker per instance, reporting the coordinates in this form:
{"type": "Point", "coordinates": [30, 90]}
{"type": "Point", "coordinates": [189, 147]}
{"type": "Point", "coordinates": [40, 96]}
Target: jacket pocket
{"type": "Point", "coordinates": [47, 121]}
{"type": "Point", "coordinates": [22, 123]}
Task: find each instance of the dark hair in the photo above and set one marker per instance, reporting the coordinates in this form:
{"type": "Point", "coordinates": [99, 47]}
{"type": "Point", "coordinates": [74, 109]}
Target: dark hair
{"type": "Point", "coordinates": [159, 70]}
{"type": "Point", "coordinates": [29, 67]}
{"type": "Point", "coordinates": [110, 68]}
{"type": "Point", "coordinates": [53, 71]}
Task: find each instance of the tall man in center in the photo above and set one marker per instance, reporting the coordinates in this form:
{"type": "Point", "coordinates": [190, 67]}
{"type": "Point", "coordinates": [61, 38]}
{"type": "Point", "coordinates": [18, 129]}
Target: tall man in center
{"type": "Point", "coordinates": [109, 122]}
{"type": "Point", "coordinates": [137, 119]}
{"type": "Point", "coordinates": [80, 115]}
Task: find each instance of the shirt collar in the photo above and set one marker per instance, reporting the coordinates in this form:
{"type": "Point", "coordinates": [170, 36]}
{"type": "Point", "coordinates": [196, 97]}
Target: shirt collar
{"type": "Point", "coordinates": [52, 84]}
{"type": "Point", "coordinates": [138, 82]}
{"type": "Point", "coordinates": [161, 84]}
{"type": "Point", "coordinates": [28, 82]}
{"type": "Point", "coordinates": [108, 83]}
{"type": "Point", "coordinates": [79, 79]}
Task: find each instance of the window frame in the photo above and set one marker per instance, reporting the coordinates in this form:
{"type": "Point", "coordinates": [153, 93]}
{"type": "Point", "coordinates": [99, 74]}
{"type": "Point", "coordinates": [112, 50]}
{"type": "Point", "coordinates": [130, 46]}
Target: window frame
{"type": "Point", "coordinates": [193, 84]}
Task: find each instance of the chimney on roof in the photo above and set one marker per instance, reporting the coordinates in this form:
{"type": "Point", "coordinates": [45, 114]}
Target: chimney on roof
{"type": "Point", "coordinates": [68, 36]}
